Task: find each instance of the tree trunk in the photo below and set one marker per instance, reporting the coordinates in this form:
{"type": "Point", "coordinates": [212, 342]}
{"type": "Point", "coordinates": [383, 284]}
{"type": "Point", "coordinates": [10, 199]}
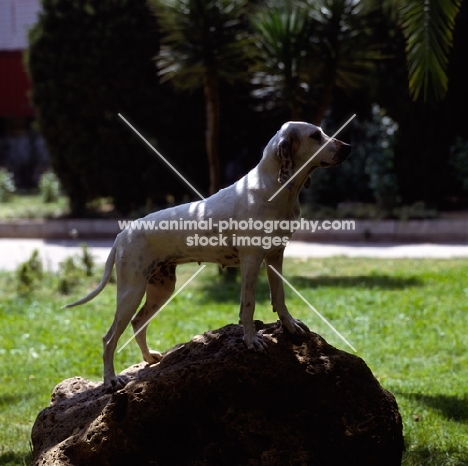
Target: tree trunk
{"type": "Point", "coordinates": [211, 90]}
{"type": "Point", "coordinates": [77, 207]}
{"type": "Point", "coordinates": [324, 102]}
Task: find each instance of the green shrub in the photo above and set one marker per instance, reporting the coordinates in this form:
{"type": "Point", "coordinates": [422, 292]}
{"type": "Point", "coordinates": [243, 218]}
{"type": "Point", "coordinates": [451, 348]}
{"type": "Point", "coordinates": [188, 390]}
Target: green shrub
{"type": "Point", "coordinates": [369, 176]}
{"type": "Point", "coordinates": [70, 275]}
{"type": "Point", "coordinates": [29, 273]}
{"type": "Point", "coordinates": [71, 272]}
{"type": "Point", "coordinates": [90, 60]}
{"type": "Point", "coordinates": [74, 268]}
{"type": "Point", "coordinates": [87, 260]}
{"type": "Point", "coordinates": [7, 185]}
{"type": "Point", "coordinates": [380, 159]}
{"type": "Point", "coordinates": [49, 186]}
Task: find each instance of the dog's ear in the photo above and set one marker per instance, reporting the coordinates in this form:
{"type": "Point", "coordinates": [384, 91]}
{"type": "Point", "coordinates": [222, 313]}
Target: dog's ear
{"type": "Point", "coordinates": [287, 146]}
{"type": "Point", "coordinates": [308, 182]}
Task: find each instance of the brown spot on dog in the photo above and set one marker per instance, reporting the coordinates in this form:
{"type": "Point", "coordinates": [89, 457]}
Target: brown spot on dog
{"type": "Point", "coordinates": [159, 271]}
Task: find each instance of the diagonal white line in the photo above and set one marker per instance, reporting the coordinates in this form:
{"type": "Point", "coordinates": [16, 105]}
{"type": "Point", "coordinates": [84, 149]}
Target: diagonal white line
{"type": "Point", "coordinates": [159, 154]}
{"type": "Point", "coordinates": [162, 307]}
{"type": "Point", "coordinates": [303, 166]}
{"type": "Point", "coordinates": [313, 308]}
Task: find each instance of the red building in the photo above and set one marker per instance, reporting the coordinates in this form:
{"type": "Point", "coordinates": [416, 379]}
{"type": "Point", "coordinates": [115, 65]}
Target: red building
{"type": "Point", "coordinates": [14, 85]}
{"type": "Point", "coordinates": [22, 149]}
{"type": "Point", "coordinates": [16, 17]}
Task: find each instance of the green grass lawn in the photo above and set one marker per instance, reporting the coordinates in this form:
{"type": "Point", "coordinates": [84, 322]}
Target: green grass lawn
{"type": "Point", "coordinates": [408, 320]}
{"type": "Point", "coordinates": [32, 206]}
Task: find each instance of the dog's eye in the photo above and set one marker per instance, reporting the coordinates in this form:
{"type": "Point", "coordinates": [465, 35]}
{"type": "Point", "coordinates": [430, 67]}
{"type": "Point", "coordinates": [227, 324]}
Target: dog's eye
{"type": "Point", "coordinates": [316, 135]}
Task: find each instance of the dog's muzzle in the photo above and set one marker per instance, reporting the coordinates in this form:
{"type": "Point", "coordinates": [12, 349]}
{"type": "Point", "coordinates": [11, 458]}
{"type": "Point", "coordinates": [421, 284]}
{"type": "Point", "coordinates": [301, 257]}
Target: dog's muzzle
{"type": "Point", "coordinates": [342, 152]}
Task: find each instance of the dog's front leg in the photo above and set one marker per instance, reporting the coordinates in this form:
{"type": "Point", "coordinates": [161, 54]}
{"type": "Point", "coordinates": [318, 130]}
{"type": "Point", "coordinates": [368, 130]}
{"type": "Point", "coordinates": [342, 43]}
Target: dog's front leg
{"type": "Point", "coordinates": [277, 294]}
{"type": "Point", "coordinates": [250, 267]}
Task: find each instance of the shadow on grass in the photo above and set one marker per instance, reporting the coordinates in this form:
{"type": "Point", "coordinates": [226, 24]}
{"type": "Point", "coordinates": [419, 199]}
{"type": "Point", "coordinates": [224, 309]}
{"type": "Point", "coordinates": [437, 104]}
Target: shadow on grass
{"type": "Point", "coordinates": [11, 399]}
{"type": "Point", "coordinates": [11, 458]}
{"type": "Point", "coordinates": [379, 282]}
{"type": "Point", "coordinates": [223, 290]}
{"type": "Point", "coordinates": [227, 291]}
{"type": "Point", "coordinates": [452, 407]}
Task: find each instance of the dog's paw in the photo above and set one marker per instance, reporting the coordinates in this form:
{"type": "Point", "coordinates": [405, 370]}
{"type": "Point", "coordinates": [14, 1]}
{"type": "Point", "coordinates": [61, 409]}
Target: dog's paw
{"type": "Point", "coordinates": [153, 357]}
{"type": "Point", "coordinates": [112, 384]}
{"type": "Point", "coordinates": [255, 342]}
{"type": "Point", "coordinates": [293, 325]}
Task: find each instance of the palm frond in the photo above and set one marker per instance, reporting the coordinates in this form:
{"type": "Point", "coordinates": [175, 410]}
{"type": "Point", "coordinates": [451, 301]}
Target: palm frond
{"type": "Point", "coordinates": [428, 28]}
{"type": "Point", "coordinates": [199, 38]}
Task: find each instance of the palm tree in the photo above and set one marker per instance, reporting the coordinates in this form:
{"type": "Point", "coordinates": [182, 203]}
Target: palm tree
{"type": "Point", "coordinates": [281, 35]}
{"type": "Point", "coordinates": [347, 47]}
{"type": "Point", "coordinates": [309, 48]}
{"type": "Point", "coordinates": [428, 28]}
{"type": "Point", "coordinates": [204, 44]}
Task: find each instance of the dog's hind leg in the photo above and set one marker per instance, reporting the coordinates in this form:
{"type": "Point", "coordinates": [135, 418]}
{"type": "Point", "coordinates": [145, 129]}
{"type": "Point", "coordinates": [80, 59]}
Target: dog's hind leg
{"type": "Point", "coordinates": [128, 299]}
{"type": "Point", "coordinates": [277, 294]}
{"type": "Point", "coordinates": [158, 290]}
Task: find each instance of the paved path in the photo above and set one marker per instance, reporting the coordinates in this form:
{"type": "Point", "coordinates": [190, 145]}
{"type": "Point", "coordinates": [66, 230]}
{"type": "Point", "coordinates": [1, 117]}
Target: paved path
{"type": "Point", "coordinates": [379, 250]}
{"type": "Point", "coordinates": [15, 251]}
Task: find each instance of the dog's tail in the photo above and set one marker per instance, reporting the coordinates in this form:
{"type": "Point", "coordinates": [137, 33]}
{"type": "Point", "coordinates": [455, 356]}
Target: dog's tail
{"type": "Point", "coordinates": [105, 278]}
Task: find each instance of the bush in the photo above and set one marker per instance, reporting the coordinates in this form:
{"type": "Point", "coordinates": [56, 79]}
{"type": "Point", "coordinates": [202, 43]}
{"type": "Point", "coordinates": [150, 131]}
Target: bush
{"type": "Point", "coordinates": [29, 273]}
{"type": "Point", "coordinates": [7, 185]}
{"type": "Point", "coordinates": [369, 175]}
{"type": "Point", "coordinates": [380, 166]}
{"type": "Point", "coordinates": [49, 186]}
{"type": "Point", "coordinates": [90, 60]}
{"type": "Point", "coordinates": [73, 269]}
{"type": "Point", "coordinates": [87, 260]}
{"type": "Point", "coordinates": [69, 275]}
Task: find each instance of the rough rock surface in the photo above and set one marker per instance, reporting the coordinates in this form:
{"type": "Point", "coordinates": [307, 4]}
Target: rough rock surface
{"type": "Point", "coordinates": [213, 402]}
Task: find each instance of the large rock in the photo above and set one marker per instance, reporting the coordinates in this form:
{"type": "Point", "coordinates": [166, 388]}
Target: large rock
{"type": "Point", "coordinates": [213, 402]}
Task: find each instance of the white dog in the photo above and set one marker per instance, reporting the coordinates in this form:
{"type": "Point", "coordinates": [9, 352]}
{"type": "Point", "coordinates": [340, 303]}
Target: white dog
{"type": "Point", "coordinates": [146, 260]}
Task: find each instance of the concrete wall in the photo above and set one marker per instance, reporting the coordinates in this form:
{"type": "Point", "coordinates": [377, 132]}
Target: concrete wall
{"type": "Point", "coordinates": [439, 230]}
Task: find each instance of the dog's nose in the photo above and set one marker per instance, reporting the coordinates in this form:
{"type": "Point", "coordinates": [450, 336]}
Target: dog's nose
{"type": "Point", "coordinates": [343, 150]}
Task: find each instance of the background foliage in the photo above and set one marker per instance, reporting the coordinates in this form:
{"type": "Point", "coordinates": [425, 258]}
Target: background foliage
{"type": "Point", "coordinates": [319, 61]}
{"type": "Point", "coordinates": [90, 60]}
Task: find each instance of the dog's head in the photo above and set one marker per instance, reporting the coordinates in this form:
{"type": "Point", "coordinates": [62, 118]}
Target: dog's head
{"type": "Point", "coordinates": [303, 147]}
